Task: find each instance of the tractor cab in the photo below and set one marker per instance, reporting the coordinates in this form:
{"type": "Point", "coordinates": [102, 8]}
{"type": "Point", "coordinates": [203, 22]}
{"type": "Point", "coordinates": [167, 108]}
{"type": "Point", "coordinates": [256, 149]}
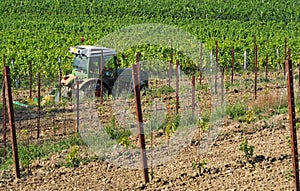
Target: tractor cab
{"type": "Point", "coordinates": [88, 65]}
{"type": "Point", "coordinates": [88, 60]}
{"type": "Point", "coordinates": [93, 65]}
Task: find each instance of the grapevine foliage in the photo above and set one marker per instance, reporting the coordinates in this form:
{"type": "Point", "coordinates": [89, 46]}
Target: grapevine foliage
{"type": "Point", "coordinates": [43, 30]}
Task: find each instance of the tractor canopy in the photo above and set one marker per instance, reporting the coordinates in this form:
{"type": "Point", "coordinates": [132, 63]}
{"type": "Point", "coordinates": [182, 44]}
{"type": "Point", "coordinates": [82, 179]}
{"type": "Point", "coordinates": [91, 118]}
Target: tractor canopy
{"type": "Point", "coordinates": [88, 60]}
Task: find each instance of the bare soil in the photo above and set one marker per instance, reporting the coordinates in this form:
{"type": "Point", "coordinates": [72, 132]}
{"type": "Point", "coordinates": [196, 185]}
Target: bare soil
{"type": "Point", "coordinates": [270, 167]}
{"type": "Point", "coordinates": [226, 169]}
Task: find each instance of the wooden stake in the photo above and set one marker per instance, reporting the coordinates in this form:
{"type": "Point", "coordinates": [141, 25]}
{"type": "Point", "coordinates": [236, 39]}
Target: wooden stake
{"type": "Point", "coordinates": [201, 63]}
{"type": "Point", "coordinates": [30, 79]}
{"type": "Point", "coordinates": [140, 122]}
{"type": "Point", "coordinates": [39, 105]}
{"type": "Point", "coordinates": [267, 65]}
{"type": "Point", "coordinates": [232, 64]}
{"type": "Point", "coordinates": [193, 94]}
{"type": "Point", "coordinates": [4, 115]}
{"type": "Point", "coordinates": [292, 122]}
{"type": "Point", "coordinates": [177, 86]}
{"type": "Point", "coordinates": [12, 122]}
{"type": "Point", "coordinates": [216, 74]}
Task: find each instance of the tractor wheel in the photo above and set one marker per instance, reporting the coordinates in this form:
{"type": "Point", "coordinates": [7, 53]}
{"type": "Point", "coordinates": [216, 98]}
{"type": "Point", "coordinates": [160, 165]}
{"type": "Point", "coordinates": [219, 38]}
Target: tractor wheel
{"type": "Point", "coordinates": [87, 88]}
{"type": "Point", "coordinates": [91, 88]}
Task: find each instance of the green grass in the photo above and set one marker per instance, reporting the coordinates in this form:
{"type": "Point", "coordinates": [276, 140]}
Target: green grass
{"type": "Point", "coordinates": [162, 90]}
{"type": "Point", "coordinates": [116, 133]}
{"type": "Point", "coordinates": [236, 110]}
{"type": "Point", "coordinates": [40, 151]}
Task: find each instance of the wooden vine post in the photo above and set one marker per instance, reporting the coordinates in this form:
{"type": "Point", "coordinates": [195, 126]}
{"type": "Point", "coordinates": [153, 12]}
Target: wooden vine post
{"type": "Point", "coordinates": [30, 79]}
{"type": "Point", "coordinates": [284, 68]}
{"type": "Point", "coordinates": [39, 105]}
{"type": "Point", "coordinates": [267, 66]}
{"type": "Point", "coordinates": [193, 94]}
{"type": "Point", "coordinates": [4, 113]}
{"type": "Point", "coordinates": [137, 98]}
{"type": "Point", "coordinates": [216, 75]}
{"type": "Point", "coordinates": [255, 68]}
{"type": "Point", "coordinates": [232, 64]}
{"type": "Point", "coordinates": [222, 85]}
{"type": "Point", "coordinates": [137, 57]}
{"type": "Point", "coordinates": [101, 76]}
{"type": "Point", "coordinates": [299, 76]}
{"type": "Point", "coordinates": [285, 40]}
{"type": "Point", "coordinates": [60, 77]}
{"type": "Point", "coordinates": [177, 86]}
{"type": "Point", "coordinates": [77, 105]}
{"type": "Point", "coordinates": [201, 63]}
{"type": "Point", "coordinates": [171, 62]}
{"type": "Point", "coordinates": [171, 50]}
{"type": "Point", "coordinates": [292, 122]}
{"type": "Point", "coordinates": [170, 72]}
{"type": "Point", "coordinates": [11, 118]}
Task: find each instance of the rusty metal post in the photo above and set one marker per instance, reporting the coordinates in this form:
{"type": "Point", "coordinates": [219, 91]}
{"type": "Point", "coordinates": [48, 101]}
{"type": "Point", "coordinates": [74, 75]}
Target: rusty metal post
{"type": "Point", "coordinates": [193, 94]}
{"type": "Point", "coordinates": [137, 56]}
{"type": "Point", "coordinates": [171, 62]}
{"type": "Point", "coordinates": [12, 122]}
{"type": "Point", "coordinates": [216, 75]}
{"type": "Point", "coordinates": [232, 64]}
{"type": "Point", "coordinates": [222, 85]}
{"type": "Point", "coordinates": [267, 66]}
{"type": "Point", "coordinates": [171, 50]}
{"type": "Point", "coordinates": [60, 77]}
{"type": "Point", "coordinates": [101, 77]}
{"type": "Point", "coordinates": [255, 75]}
{"type": "Point", "coordinates": [30, 79]}
{"type": "Point", "coordinates": [77, 105]}
{"type": "Point", "coordinates": [170, 72]}
{"type": "Point", "coordinates": [285, 41]}
{"type": "Point", "coordinates": [201, 63]}
{"type": "Point", "coordinates": [3, 115]}
{"type": "Point", "coordinates": [177, 86]}
{"type": "Point", "coordinates": [140, 121]}
{"type": "Point", "coordinates": [39, 105]}
{"type": "Point", "coordinates": [299, 75]}
{"type": "Point", "coordinates": [139, 75]}
{"type": "Point", "coordinates": [255, 68]}
{"type": "Point", "coordinates": [97, 92]}
{"type": "Point", "coordinates": [292, 121]}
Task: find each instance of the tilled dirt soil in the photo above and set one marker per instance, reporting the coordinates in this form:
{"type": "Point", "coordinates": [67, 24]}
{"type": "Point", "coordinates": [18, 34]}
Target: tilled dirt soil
{"type": "Point", "coordinates": [226, 169]}
{"type": "Point", "coordinates": [270, 167]}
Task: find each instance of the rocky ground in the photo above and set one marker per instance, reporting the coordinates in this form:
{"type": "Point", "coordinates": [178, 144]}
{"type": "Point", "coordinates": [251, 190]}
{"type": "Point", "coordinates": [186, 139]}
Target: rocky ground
{"type": "Point", "coordinates": [226, 168]}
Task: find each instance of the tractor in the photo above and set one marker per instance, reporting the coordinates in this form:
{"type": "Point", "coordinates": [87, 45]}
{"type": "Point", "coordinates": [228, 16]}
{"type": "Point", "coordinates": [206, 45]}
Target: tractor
{"type": "Point", "coordinates": [93, 64]}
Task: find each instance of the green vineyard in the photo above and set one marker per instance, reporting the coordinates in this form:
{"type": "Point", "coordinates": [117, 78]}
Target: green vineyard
{"type": "Point", "coordinates": [170, 95]}
{"type": "Point", "coordinates": [44, 30]}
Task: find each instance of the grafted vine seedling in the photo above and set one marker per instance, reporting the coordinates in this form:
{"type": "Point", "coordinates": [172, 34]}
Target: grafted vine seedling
{"type": "Point", "coordinates": [199, 166]}
{"type": "Point", "coordinates": [119, 134]}
{"type": "Point", "coordinates": [72, 158]}
{"type": "Point", "coordinates": [247, 149]}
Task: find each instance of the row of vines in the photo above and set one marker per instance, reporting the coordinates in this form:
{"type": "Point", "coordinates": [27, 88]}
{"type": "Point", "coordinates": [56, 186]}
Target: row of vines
{"type": "Point", "coordinates": [261, 10]}
{"type": "Point", "coordinates": [44, 30]}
